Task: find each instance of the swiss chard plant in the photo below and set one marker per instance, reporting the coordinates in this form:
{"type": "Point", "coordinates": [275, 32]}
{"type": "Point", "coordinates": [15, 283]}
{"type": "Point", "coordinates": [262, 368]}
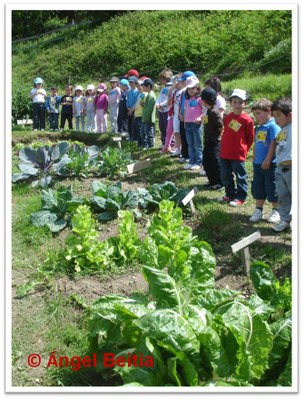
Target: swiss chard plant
{"type": "Point", "coordinates": [57, 208]}
{"type": "Point", "coordinates": [40, 164]}
{"type": "Point", "coordinates": [197, 335]}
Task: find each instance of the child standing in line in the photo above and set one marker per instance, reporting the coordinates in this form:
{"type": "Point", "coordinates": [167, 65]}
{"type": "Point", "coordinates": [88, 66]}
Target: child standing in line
{"type": "Point", "coordinates": [215, 84]}
{"type": "Point", "coordinates": [169, 142]}
{"type": "Point", "coordinates": [138, 109]}
{"type": "Point", "coordinates": [175, 97]}
{"type": "Point", "coordinates": [89, 108]}
{"type": "Point", "coordinates": [79, 107]}
{"type": "Point", "coordinates": [67, 108]}
{"type": "Point", "coordinates": [236, 141]}
{"type": "Point", "coordinates": [52, 107]}
{"type": "Point", "coordinates": [131, 94]}
{"type": "Point", "coordinates": [38, 96]}
{"type": "Point", "coordinates": [213, 127]}
{"type": "Point", "coordinates": [264, 161]}
{"type": "Point", "coordinates": [184, 145]}
{"type": "Point", "coordinates": [148, 115]}
{"type": "Point", "coordinates": [122, 119]}
{"type": "Point", "coordinates": [114, 102]}
{"type": "Point", "coordinates": [193, 110]}
{"type": "Point", "coordinates": [282, 112]}
{"type": "Point", "coordinates": [162, 103]}
{"type": "Point", "coordinates": [101, 104]}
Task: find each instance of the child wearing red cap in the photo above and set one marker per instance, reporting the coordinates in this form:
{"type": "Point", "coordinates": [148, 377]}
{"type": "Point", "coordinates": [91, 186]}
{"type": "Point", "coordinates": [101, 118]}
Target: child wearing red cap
{"type": "Point", "coordinates": [132, 72]}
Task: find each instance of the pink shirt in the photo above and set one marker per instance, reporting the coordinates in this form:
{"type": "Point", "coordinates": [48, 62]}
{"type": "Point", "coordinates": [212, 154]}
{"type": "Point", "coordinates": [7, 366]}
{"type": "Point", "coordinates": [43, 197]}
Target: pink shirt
{"type": "Point", "coordinates": [193, 109]}
{"type": "Point", "coordinates": [101, 102]}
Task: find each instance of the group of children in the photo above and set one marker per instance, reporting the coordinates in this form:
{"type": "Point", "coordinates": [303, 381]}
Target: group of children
{"type": "Point", "coordinates": [193, 127]}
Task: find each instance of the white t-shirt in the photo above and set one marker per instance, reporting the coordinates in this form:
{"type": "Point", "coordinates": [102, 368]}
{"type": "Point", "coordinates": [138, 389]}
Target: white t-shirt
{"type": "Point", "coordinates": [220, 102]}
{"type": "Point", "coordinates": [38, 95]}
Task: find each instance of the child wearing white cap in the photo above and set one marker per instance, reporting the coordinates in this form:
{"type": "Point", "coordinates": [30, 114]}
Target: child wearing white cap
{"type": "Point", "coordinates": [113, 99]}
{"type": "Point", "coordinates": [78, 107]}
{"type": "Point", "coordinates": [236, 141]}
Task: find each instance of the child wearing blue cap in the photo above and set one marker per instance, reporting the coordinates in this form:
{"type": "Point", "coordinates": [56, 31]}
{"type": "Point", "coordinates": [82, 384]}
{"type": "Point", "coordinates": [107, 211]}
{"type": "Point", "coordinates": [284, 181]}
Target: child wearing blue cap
{"type": "Point", "coordinates": [38, 96]}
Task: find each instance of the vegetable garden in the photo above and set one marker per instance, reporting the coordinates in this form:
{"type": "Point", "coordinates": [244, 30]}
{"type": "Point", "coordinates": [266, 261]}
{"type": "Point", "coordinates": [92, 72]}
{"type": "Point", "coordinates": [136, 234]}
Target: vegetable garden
{"type": "Point", "coordinates": [117, 264]}
{"type": "Point", "coordinates": [107, 263]}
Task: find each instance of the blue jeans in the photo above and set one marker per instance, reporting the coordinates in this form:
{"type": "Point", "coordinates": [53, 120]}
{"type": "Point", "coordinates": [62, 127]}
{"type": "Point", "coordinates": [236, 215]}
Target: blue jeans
{"type": "Point", "coordinates": [147, 134]}
{"type": "Point", "coordinates": [263, 184]}
{"type": "Point", "coordinates": [162, 123]}
{"type": "Point", "coordinates": [136, 131]}
{"type": "Point", "coordinates": [194, 140]}
{"type": "Point", "coordinates": [228, 168]}
{"type": "Point", "coordinates": [53, 119]}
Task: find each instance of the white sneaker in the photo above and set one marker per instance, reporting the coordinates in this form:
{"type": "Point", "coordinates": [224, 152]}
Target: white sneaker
{"type": "Point", "coordinates": [203, 172]}
{"type": "Point", "coordinates": [188, 166]}
{"type": "Point", "coordinates": [274, 217]}
{"type": "Point", "coordinates": [195, 166]}
{"type": "Point", "coordinates": [175, 153]}
{"type": "Point", "coordinates": [256, 216]}
{"type": "Point", "coordinates": [281, 226]}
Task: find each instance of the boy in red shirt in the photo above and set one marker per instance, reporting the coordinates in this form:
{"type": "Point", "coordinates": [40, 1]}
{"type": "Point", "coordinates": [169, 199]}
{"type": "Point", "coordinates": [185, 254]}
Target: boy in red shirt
{"type": "Point", "coordinates": [236, 141]}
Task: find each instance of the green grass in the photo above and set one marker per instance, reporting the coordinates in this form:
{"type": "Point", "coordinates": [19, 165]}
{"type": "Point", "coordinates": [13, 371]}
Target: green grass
{"type": "Point", "coordinates": [270, 86]}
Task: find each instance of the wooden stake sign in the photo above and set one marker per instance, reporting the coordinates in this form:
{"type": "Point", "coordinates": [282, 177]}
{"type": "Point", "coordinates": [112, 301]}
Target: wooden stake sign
{"type": "Point", "coordinates": [188, 199]}
{"type": "Point", "coordinates": [139, 166]}
{"type": "Point", "coordinates": [118, 140]}
{"type": "Point", "coordinates": [243, 246]}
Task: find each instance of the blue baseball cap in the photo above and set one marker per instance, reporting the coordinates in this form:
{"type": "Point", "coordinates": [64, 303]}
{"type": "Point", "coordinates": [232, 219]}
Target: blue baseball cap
{"type": "Point", "coordinates": [124, 82]}
{"type": "Point", "coordinates": [186, 75]}
{"type": "Point", "coordinates": [38, 80]}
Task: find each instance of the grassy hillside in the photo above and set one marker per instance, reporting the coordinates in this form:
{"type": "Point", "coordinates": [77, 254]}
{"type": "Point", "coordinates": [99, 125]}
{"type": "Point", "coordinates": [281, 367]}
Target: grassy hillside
{"type": "Point", "coordinates": [226, 43]}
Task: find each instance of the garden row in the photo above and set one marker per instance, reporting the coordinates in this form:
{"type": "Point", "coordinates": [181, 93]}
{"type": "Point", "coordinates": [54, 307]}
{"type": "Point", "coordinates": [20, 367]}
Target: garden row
{"type": "Point", "coordinates": [194, 333]}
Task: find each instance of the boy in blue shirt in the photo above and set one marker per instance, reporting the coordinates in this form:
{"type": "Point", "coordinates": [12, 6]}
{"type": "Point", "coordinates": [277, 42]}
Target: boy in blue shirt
{"type": "Point", "coordinates": [52, 106]}
{"type": "Point", "coordinates": [264, 161]}
{"type": "Point", "coordinates": [132, 95]}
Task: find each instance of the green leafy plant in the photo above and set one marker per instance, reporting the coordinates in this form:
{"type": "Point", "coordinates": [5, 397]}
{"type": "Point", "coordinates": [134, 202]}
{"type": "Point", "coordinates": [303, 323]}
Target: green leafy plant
{"type": "Point", "coordinates": [110, 199]}
{"type": "Point", "coordinates": [81, 160]}
{"type": "Point", "coordinates": [57, 208]}
{"type": "Point", "coordinates": [197, 335]}
{"type": "Point", "coordinates": [165, 191]}
{"type": "Point", "coordinates": [114, 162]}
{"type": "Point", "coordinates": [85, 253]}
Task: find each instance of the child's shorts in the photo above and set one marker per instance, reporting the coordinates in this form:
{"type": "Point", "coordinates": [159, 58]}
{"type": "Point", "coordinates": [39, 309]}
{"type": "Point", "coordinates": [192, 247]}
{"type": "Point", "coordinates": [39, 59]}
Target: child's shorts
{"type": "Point", "coordinates": [263, 184]}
